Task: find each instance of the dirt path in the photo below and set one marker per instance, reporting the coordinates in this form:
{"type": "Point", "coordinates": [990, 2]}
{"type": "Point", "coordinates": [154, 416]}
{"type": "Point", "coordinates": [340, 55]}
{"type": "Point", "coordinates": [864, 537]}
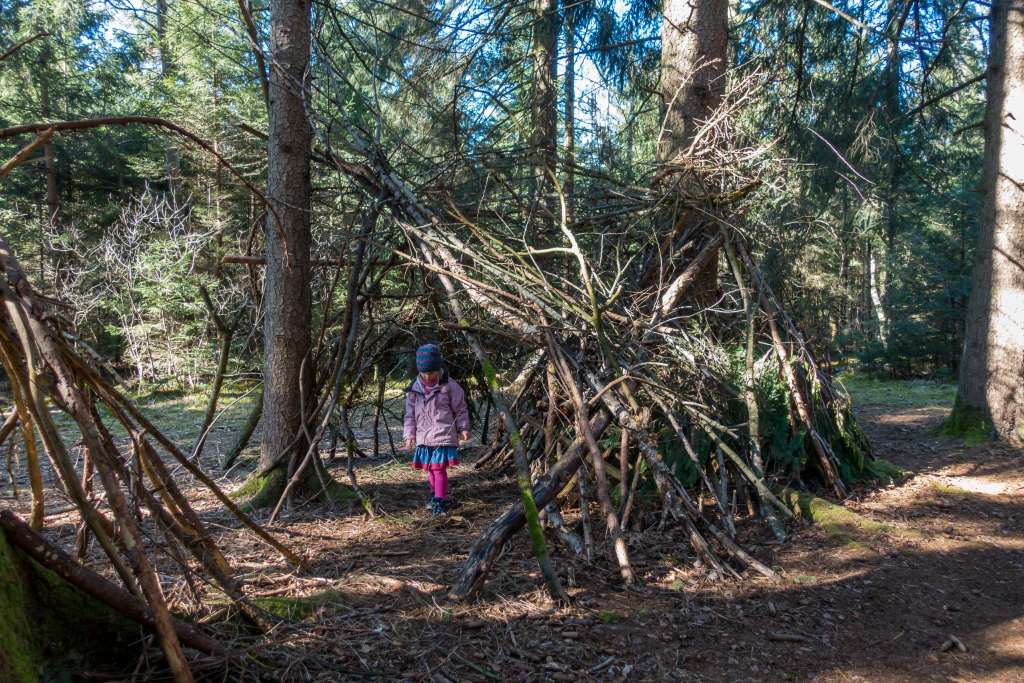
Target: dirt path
{"type": "Point", "coordinates": [948, 561]}
{"type": "Point", "coordinates": [871, 596]}
{"type": "Point", "coordinates": [874, 596]}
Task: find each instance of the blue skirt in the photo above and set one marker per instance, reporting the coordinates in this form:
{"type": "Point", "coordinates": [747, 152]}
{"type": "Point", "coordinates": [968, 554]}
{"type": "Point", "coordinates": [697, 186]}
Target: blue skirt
{"type": "Point", "coordinates": [435, 457]}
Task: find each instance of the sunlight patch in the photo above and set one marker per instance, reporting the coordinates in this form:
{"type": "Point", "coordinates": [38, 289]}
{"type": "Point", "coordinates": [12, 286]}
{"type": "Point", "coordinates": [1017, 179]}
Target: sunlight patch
{"type": "Point", "coordinates": [985, 486]}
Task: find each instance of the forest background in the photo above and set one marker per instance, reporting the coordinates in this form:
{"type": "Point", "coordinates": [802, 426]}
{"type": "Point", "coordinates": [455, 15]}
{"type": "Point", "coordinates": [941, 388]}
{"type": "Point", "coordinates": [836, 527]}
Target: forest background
{"type": "Point", "coordinates": [648, 237]}
{"type": "Point", "coordinates": [867, 232]}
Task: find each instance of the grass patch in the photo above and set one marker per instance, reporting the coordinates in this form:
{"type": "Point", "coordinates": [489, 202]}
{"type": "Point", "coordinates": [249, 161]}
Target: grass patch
{"type": "Point", "coordinates": [608, 617]}
{"type": "Point", "coordinates": [912, 393]}
{"type": "Point", "coordinates": [401, 519]}
{"type": "Point", "coordinates": [177, 413]}
{"type": "Point", "coordinates": [947, 490]}
{"type": "Point", "coordinates": [956, 492]}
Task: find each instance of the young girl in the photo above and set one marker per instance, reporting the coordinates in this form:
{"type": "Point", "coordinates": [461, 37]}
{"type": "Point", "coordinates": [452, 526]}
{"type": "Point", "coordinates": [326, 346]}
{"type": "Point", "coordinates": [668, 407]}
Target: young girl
{"type": "Point", "coordinates": [436, 420]}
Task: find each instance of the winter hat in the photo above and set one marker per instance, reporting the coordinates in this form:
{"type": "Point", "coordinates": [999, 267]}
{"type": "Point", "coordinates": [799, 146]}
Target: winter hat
{"type": "Point", "coordinates": [428, 358]}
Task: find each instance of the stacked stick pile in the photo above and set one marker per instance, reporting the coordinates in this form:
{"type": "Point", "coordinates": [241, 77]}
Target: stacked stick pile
{"type": "Point", "coordinates": [139, 490]}
{"type": "Point", "coordinates": [633, 355]}
{"type": "Point", "coordinates": [639, 376]}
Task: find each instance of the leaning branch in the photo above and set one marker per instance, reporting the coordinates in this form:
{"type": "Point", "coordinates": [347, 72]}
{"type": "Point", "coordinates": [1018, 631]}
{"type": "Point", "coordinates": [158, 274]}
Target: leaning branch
{"type": "Point", "coordinates": [17, 46]}
{"type": "Point", "coordinates": [948, 92]}
{"type": "Point", "coordinates": [25, 152]}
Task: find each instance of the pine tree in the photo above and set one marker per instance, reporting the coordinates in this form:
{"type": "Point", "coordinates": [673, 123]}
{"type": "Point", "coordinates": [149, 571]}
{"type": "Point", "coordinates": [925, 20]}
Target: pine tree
{"type": "Point", "coordinates": [286, 290]}
{"type": "Point", "coordinates": [991, 388]}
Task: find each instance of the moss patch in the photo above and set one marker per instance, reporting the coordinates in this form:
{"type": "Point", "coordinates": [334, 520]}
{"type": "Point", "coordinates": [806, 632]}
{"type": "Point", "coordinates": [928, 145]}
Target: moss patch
{"type": "Point", "coordinates": [48, 628]}
{"type": "Point", "coordinates": [884, 471]}
{"type": "Point", "coordinates": [21, 656]}
{"type": "Point", "coordinates": [608, 617]}
{"type": "Point", "coordinates": [840, 523]}
{"type": "Point", "coordinates": [340, 492]}
{"type": "Point", "coordinates": [249, 487]}
{"type": "Point", "coordinates": [263, 491]}
{"type": "Point", "coordinates": [298, 608]}
{"type": "Point", "coordinates": [804, 579]}
{"type": "Point", "coordinates": [968, 423]}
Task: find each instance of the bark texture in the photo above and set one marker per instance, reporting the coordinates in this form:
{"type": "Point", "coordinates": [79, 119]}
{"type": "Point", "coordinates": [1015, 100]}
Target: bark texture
{"type": "Point", "coordinates": [286, 330]}
{"type": "Point", "coordinates": [544, 116]}
{"type": "Point", "coordinates": [694, 43]}
{"type": "Point", "coordinates": [694, 39]}
{"type": "Point", "coordinates": [992, 372]}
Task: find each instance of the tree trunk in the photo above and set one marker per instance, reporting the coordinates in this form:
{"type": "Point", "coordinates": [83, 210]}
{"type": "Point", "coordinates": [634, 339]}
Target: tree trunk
{"type": "Point", "coordinates": [544, 118]}
{"type": "Point", "coordinates": [286, 328]}
{"type": "Point", "coordinates": [52, 191]}
{"type": "Point", "coordinates": [57, 259]}
{"type": "Point", "coordinates": [991, 391]}
{"type": "Point", "coordinates": [569, 181]}
{"type": "Point", "coordinates": [172, 163]}
{"type": "Point", "coordinates": [694, 42]}
{"type": "Point", "coordinates": [694, 39]}
{"type": "Point", "coordinates": [894, 118]}
{"type": "Point", "coordinates": [878, 296]}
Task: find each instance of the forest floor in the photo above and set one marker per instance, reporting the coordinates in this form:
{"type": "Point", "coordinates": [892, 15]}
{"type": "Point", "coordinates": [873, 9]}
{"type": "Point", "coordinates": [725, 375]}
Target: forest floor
{"type": "Point", "coordinates": [920, 580]}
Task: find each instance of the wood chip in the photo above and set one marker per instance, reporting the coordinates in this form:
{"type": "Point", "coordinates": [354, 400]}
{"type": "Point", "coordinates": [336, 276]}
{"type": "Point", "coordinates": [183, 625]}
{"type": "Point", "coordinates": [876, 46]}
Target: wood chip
{"type": "Point", "coordinates": [953, 642]}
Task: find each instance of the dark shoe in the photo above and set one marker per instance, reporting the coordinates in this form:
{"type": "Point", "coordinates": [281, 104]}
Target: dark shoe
{"type": "Point", "coordinates": [437, 507]}
{"type": "Point", "coordinates": [449, 504]}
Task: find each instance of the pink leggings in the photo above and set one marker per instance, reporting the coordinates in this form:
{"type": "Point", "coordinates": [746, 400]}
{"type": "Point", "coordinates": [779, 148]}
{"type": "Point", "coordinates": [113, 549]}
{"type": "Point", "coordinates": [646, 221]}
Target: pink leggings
{"type": "Point", "coordinates": [438, 482]}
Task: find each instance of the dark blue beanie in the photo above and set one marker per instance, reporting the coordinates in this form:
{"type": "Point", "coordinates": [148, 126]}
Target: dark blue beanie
{"type": "Point", "coordinates": [428, 358]}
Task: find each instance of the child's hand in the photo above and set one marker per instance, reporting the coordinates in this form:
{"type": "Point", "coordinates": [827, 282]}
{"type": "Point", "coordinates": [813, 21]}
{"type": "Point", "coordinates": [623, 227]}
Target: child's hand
{"type": "Point", "coordinates": [409, 444]}
{"type": "Point", "coordinates": [463, 437]}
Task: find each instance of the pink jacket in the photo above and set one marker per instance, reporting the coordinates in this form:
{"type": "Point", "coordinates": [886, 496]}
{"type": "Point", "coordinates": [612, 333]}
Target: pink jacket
{"type": "Point", "coordinates": [435, 417]}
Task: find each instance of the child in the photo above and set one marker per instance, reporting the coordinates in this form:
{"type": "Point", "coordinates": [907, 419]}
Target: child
{"type": "Point", "coordinates": [436, 420]}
